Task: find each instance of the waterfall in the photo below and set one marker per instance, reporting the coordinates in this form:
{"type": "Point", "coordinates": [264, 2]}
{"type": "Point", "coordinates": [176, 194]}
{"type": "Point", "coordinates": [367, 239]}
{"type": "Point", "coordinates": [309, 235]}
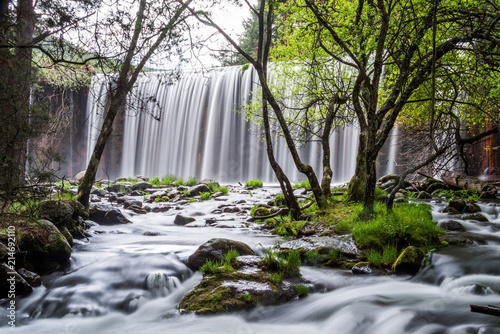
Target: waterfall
{"type": "Point", "coordinates": [195, 127]}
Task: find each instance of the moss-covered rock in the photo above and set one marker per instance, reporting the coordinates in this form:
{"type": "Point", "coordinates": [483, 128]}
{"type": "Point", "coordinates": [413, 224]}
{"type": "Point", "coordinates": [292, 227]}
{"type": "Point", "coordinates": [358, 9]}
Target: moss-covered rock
{"type": "Point", "coordinates": [452, 225]}
{"type": "Point", "coordinates": [475, 216]}
{"type": "Point", "coordinates": [45, 246]}
{"type": "Point", "coordinates": [409, 261]}
{"type": "Point", "coordinates": [261, 212]}
{"type": "Point", "coordinates": [214, 249]}
{"type": "Point", "coordinates": [245, 286]}
{"type": "Point", "coordinates": [55, 210]}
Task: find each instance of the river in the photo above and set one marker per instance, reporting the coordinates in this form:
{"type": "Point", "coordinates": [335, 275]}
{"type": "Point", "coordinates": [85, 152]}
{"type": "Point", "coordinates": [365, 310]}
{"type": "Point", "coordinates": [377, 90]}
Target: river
{"type": "Point", "coordinates": [129, 279]}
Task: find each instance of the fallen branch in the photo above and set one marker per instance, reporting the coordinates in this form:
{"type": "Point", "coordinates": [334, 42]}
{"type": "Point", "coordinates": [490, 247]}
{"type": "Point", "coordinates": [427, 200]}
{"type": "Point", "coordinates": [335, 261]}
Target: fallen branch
{"type": "Point", "coordinates": [486, 309]}
{"type": "Point", "coordinates": [308, 204]}
{"type": "Point", "coordinates": [277, 213]}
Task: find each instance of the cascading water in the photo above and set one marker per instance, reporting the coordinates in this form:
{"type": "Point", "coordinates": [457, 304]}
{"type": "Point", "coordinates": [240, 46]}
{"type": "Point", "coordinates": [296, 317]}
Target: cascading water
{"type": "Point", "coordinates": [124, 280]}
{"type": "Point", "coordinates": [194, 127]}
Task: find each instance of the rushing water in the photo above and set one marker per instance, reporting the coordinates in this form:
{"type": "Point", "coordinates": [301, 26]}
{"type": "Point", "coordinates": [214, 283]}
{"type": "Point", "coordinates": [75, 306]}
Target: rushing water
{"type": "Point", "coordinates": [194, 127]}
{"type": "Point", "coordinates": [124, 280]}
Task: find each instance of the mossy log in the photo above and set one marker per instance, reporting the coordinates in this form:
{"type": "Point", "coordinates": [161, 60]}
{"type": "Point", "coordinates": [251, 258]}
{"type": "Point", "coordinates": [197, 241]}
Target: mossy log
{"type": "Point", "coordinates": [462, 181]}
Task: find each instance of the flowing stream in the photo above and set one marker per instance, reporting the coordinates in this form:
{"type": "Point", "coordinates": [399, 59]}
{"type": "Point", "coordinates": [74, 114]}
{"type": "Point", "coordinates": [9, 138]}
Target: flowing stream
{"type": "Point", "coordinates": [129, 279]}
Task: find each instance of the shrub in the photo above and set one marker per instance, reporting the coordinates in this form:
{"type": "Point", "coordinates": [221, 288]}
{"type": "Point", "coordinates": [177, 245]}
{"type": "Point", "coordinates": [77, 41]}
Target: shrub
{"type": "Point", "coordinates": [205, 195]}
{"type": "Point", "coordinates": [231, 255]}
{"type": "Point", "coordinates": [302, 290]}
{"type": "Point", "coordinates": [168, 180]}
{"type": "Point", "coordinates": [155, 181]}
{"type": "Point", "coordinates": [178, 182]}
{"type": "Point", "coordinates": [209, 267]}
{"type": "Point", "coordinates": [254, 184]}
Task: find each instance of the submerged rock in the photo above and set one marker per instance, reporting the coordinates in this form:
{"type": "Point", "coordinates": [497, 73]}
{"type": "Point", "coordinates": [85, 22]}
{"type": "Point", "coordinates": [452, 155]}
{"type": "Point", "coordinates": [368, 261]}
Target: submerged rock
{"type": "Point", "coordinates": [452, 225]}
{"type": "Point", "coordinates": [196, 190]}
{"type": "Point", "coordinates": [182, 220]}
{"type": "Point", "coordinates": [214, 249]}
{"type": "Point", "coordinates": [12, 282]}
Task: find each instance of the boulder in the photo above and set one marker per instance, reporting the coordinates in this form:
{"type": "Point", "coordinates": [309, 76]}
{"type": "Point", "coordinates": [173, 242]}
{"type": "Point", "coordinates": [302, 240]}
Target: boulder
{"type": "Point", "coordinates": [453, 226]}
{"type": "Point", "coordinates": [261, 212]}
{"type": "Point", "coordinates": [475, 216]}
{"type": "Point", "coordinates": [196, 190]}
{"type": "Point", "coordinates": [45, 246]}
{"type": "Point", "coordinates": [107, 215]}
{"type": "Point", "coordinates": [242, 284]}
{"type": "Point", "coordinates": [214, 249]}
{"type": "Point", "coordinates": [409, 261]}
{"type": "Point", "coordinates": [117, 187]}
{"type": "Point", "coordinates": [55, 210]}
{"type": "Point", "coordinates": [32, 278]}
{"type": "Point", "coordinates": [455, 206]}
{"type": "Point", "coordinates": [79, 176]}
{"type": "Point", "coordinates": [12, 282]}
{"type": "Point", "coordinates": [343, 244]}
{"type": "Point", "coordinates": [182, 220]}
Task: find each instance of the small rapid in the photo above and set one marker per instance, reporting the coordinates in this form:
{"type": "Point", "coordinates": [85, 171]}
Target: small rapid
{"type": "Point", "coordinates": [130, 278]}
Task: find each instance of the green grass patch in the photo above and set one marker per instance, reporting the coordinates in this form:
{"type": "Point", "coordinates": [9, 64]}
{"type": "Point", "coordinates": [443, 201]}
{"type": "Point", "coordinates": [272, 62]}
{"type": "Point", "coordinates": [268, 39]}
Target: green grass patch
{"type": "Point", "coordinates": [302, 184]}
{"type": "Point", "coordinates": [406, 225]}
{"type": "Point", "coordinates": [302, 290]}
{"type": "Point", "coordinates": [215, 188]}
{"type": "Point", "coordinates": [254, 184]}
{"type": "Point", "coordinates": [191, 182]}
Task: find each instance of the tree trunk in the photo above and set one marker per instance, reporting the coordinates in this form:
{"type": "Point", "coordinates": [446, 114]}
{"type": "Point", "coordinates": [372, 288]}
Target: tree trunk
{"type": "Point", "coordinates": [486, 309]}
{"type": "Point", "coordinates": [15, 95]}
{"type": "Point", "coordinates": [357, 185]}
{"type": "Point", "coordinates": [117, 100]}
{"type": "Point", "coordinates": [285, 185]}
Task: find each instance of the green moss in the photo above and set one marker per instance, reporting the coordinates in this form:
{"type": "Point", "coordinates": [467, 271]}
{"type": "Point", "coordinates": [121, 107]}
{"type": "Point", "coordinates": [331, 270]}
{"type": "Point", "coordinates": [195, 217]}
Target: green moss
{"type": "Point", "coordinates": [254, 184]}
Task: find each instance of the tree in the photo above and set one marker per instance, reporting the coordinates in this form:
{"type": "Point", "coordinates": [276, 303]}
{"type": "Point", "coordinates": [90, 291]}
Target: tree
{"type": "Point", "coordinates": [25, 27]}
{"type": "Point", "coordinates": [395, 51]}
{"type": "Point", "coordinates": [155, 27]}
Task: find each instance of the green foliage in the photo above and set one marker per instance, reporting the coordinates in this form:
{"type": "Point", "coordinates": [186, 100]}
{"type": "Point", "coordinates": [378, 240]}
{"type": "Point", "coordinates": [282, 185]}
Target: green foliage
{"type": "Point", "coordinates": [388, 255]}
{"type": "Point", "coordinates": [210, 267]}
{"type": "Point", "coordinates": [168, 180]}
{"type": "Point", "coordinates": [335, 255]}
{"type": "Point", "coordinates": [302, 184]}
{"type": "Point", "coordinates": [191, 200]}
{"type": "Point", "coordinates": [302, 290]}
{"type": "Point", "coordinates": [231, 256]}
{"type": "Point", "coordinates": [191, 182]}
{"type": "Point", "coordinates": [215, 188]}
{"type": "Point", "coordinates": [275, 277]}
{"type": "Point", "coordinates": [254, 184]}
{"type": "Point", "coordinates": [379, 192]}
{"type": "Point", "coordinates": [293, 262]}
{"type": "Point", "coordinates": [205, 195]}
{"type": "Point", "coordinates": [407, 224]}
{"type": "Point", "coordinates": [155, 180]}
{"type": "Point", "coordinates": [279, 200]}
{"type": "Point", "coordinates": [185, 192]}
{"type": "Point", "coordinates": [313, 257]}
{"type": "Point", "coordinates": [469, 195]}
{"type": "Point", "coordinates": [178, 182]}
{"type": "Point", "coordinates": [289, 228]}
